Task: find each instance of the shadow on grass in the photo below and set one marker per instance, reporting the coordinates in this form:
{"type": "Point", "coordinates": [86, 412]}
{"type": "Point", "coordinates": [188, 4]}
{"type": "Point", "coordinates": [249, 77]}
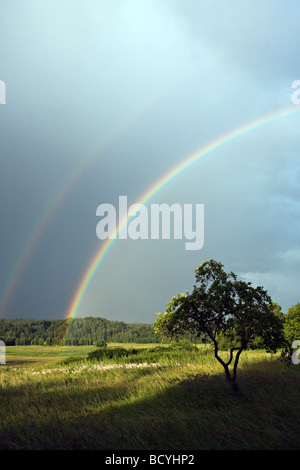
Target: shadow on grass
{"type": "Point", "coordinates": [199, 412]}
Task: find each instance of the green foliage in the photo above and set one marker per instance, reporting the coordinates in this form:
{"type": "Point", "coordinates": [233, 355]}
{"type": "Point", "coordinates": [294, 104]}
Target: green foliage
{"type": "Point", "coordinates": [226, 310]}
{"type": "Point", "coordinates": [183, 345]}
{"type": "Point", "coordinates": [110, 353]}
{"type": "Point", "coordinates": [74, 332]}
{"type": "Point", "coordinates": [101, 343]}
{"type": "Point", "coordinates": [277, 310]}
{"type": "Point", "coordinates": [177, 351]}
{"type": "Point", "coordinates": [73, 359]}
{"type": "Point", "coordinates": [292, 324]}
{"type": "Point", "coordinates": [222, 307]}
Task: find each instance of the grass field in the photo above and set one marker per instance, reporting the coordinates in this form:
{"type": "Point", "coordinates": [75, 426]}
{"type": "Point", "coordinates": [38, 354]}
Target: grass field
{"type": "Point", "coordinates": [25, 356]}
{"type": "Point", "coordinates": [159, 398]}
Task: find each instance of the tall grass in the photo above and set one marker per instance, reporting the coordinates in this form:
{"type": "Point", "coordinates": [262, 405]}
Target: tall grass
{"type": "Point", "coordinates": [157, 398]}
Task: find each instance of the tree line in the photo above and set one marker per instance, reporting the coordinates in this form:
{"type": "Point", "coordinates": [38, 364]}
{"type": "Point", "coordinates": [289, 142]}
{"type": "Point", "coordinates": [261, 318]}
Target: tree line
{"type": "Point", "coordinates": [74, 332]}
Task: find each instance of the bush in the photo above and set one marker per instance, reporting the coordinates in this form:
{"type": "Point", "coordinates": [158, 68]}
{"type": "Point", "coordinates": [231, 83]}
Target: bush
{"type": "Point", "coordinates": [101, 343]}
{"type": "Point", "coordinates": [174, 351]}
{"type": "Point", "coordinates": [110, 353]}
{"type": "Point", "coordinates": [71, 359]}
{"type": "Point", "coordinates": [292, 324]}
{"type": "Point", "coordinates": [183, 345]}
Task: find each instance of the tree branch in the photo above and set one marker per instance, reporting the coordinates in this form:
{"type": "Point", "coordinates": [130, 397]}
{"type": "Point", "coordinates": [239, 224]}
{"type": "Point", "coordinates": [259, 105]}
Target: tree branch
{"type": "Point", "coordinates": [231, 355]}
{"type": "Point", "coordinates": [236, 362]}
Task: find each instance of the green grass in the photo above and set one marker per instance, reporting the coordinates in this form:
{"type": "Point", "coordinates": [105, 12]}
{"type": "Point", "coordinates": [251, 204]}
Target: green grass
{"type": "Point", "coordinates": [160, 398]}
{"type": "Point", "coordinates": [40, 355]}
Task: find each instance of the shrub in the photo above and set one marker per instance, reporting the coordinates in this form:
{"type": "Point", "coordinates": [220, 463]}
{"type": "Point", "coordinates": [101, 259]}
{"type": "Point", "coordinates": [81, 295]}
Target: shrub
{"type": "Point", "coordinates": [110, 353]}
{"type": "Point", "coordinates": [292, 324]}
{"type": "Point", "coordinates": [71, 359]}
{"type": "Point", "coordinates": [101, 343]}
{"type": "Point", "coordinates": [183, 345]}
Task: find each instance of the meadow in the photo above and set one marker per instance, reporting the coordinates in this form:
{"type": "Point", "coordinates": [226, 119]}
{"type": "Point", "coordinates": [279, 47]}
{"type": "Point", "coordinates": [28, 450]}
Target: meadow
{"type": "Point", "coordinates": [159, 397]}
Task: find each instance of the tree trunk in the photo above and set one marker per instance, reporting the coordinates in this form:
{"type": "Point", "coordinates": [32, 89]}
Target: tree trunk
{"type": "Point", "coordinates": [234, 386]}
{"type": "Point", "coordinates": [230, 378]}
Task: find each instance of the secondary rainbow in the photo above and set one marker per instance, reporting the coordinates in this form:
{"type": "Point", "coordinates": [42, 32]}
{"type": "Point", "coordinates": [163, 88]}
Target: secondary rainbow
{"type": "Point", "coordinates": [36, 233]}
{"type": "Point", "coordinates": [163, 181]}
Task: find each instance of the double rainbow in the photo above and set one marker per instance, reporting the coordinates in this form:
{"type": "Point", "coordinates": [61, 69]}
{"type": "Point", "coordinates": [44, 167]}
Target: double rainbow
{"type": "Point", "coordinates": [35, 234]}
{"type": "Point", "coordinates": [161, 183]}
{"type": "Point", "coordinates": [39, 228]}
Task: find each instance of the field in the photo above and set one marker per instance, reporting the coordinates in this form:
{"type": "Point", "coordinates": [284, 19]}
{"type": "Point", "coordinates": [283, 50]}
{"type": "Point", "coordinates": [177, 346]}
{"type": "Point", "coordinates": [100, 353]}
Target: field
{"type": "Point", "coordinates": [159, 398]}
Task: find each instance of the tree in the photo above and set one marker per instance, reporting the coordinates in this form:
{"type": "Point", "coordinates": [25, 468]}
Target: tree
{"type": "Point", "coordinates": [277, 310]}
{"type": "Point", "coordinates": [258, 342]}
{"type": "Point", "coordinates": [292, 324]}
{"type": "Point", "coordinates": [222, 306]}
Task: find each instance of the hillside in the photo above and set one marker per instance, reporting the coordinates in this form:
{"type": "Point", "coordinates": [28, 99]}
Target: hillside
{"type": "Point", "coordinates": [73, 332]}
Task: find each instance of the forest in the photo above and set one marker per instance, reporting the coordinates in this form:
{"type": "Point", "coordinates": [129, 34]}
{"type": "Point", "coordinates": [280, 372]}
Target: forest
{"type": "Point", "coordinates": [74, 332]}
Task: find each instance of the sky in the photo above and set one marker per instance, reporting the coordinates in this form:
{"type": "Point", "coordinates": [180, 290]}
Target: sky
{"type": "Point", "coordinates": [105, 98]}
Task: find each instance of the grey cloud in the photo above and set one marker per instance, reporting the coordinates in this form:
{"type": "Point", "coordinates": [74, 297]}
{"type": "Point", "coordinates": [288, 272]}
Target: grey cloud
{"type": "Point", "coordinates": [121, 92]}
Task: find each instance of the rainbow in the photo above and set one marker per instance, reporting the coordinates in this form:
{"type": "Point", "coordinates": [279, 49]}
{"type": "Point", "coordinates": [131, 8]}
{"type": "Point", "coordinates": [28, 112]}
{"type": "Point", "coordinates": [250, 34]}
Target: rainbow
{"type": "Point", "coordinates": [35, 234]}
{"type": "Point", "coordinates": [161, 183]}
